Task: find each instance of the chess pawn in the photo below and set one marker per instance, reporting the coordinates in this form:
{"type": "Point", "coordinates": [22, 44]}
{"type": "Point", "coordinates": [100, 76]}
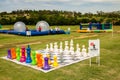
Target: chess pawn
{"type": "Point", "coordinates": [66, 50]}
{"type": "Point", "coordinates": [66, 43]}
{"type": "Point", "coordinates": [66, 47]}
{"type": "Point", "coordinates": [78, 53]}
{"type": "Point", "coordinates": [84, 51]}
{"type": "Point", "coordinates": [9, 54]}
{"type": "Point", "coordinates": [34, 62]}
{"type": "Point", "coordinates": [13, 53]}
{"type": "Point", "coordinates": [77, 45]}
{"type": "Point", "coordinates": [55, 63]}
{"type": "Point", "coordinates": [61, 49]}
{"type": "Point", "coordinates": [23, 57]}
{"type": "Point", "coordinates": [71, 42]}
{"type": "Point", "coordinates": [18, 54]}
{"type": "Point", "coordinates": [51, 47]}
{"type": "Point", "coordinates": [71, 45]}
{"type": "Point", "coordinates": [71, 49]}
{"type": "Point", "coordinates": [46, 65]}
{"type": "Point", "coordinates": [47, 49]}
{"type": "Point", "coordinates": [78, 50]}
{"type": "Point", "coordinates": [48, 56]}
{"type": "Point", "coordinates": [73, 53]}
{"type": "Point", "coordinates": [39, 60]}
{"type": "Point", "coordinates": [55, 47]}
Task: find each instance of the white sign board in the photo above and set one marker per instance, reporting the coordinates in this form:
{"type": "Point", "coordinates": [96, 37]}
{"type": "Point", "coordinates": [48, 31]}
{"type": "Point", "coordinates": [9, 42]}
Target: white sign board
{"type": "Point", "coordinates": [28, 33]}
{"type": "Point", "coordinates": [94, 47]}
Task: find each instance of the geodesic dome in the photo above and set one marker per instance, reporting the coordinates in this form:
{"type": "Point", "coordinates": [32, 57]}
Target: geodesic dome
{"type": "Point", "coordinates": [43, 24]}
{"type": "Point", "coordinates": [19, 27]}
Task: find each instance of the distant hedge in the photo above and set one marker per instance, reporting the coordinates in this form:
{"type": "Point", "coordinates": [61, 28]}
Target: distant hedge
{"type": "Point", "coordinates": [54, 17]}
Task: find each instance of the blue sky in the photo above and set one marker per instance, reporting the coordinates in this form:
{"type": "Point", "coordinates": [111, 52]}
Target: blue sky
{"type": "Point", "coordinates": [67, 5]}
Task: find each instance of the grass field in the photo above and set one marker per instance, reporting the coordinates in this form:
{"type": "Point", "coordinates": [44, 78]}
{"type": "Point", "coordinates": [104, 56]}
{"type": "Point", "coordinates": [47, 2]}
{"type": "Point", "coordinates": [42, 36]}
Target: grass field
{"type": "Point", "coordinates": [108, 70]}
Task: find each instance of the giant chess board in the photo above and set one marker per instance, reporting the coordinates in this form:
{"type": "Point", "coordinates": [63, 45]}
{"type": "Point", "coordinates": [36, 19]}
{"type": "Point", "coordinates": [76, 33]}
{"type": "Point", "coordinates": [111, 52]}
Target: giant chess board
{"type": "Point", "coordinates": [66, 56]}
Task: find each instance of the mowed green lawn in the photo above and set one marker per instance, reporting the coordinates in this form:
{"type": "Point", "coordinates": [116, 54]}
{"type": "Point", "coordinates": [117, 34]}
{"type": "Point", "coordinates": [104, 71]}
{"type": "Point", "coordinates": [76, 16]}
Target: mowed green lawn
{"type": "Point", "coordinates": [110, 56]}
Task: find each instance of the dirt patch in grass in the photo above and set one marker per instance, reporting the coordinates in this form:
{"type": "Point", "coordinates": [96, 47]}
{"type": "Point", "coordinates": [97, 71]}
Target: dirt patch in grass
{"type": "Point", "coordinates": [112, 72]}
{"type": "Point", "coordinates": [30, 43]}
{"type": "Point", "coordinates": [5, 78]}
{"type": "Point", "coordinates": [81, 37]}
{"type": "Point", "coordinates": [20, 44]}
{"type": "Point", "coordinates": [1, 46]}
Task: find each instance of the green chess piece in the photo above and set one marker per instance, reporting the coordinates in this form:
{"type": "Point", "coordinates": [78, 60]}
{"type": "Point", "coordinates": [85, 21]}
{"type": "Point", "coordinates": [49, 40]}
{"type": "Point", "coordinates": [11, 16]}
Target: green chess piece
{"type": "Point", "coordinates": [34, 62]}
{"type": "Point", "coordinates": [18, 54]}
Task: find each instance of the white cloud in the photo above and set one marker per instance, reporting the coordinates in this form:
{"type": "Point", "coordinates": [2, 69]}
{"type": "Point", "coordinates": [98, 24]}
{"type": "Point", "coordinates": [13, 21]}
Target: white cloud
{"type": "Point", "coordinates": [73, 0]}
{"type": "Point", "coordinates": [93, 0]}
{"type": "Point", "coordinates": [97, 1]}
{"type": "Point", "coordinates": [79, 2]}
{"type": "Point", "coordinates": [71, 5]}
{"type": "Point", "coordinates": [69, 1]}
{"type": "Point", "coordinates": [48, 0]}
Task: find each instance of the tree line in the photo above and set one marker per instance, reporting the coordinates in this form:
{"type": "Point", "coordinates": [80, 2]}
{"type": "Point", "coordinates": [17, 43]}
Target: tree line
{"type": "Point", "coordinates": [54, 17]}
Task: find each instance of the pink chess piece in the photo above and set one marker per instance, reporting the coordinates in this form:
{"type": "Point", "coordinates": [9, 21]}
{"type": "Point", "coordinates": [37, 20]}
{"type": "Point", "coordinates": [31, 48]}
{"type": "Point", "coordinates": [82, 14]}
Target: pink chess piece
{"type": "Point", "coordinates": [23, 57]}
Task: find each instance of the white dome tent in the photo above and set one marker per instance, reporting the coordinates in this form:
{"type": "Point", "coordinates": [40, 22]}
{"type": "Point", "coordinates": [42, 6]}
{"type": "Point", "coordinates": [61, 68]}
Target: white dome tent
{"type": "Point", "coordinates": [19, 27]}
{"type": "Point", "coordinates": [43, 25]}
